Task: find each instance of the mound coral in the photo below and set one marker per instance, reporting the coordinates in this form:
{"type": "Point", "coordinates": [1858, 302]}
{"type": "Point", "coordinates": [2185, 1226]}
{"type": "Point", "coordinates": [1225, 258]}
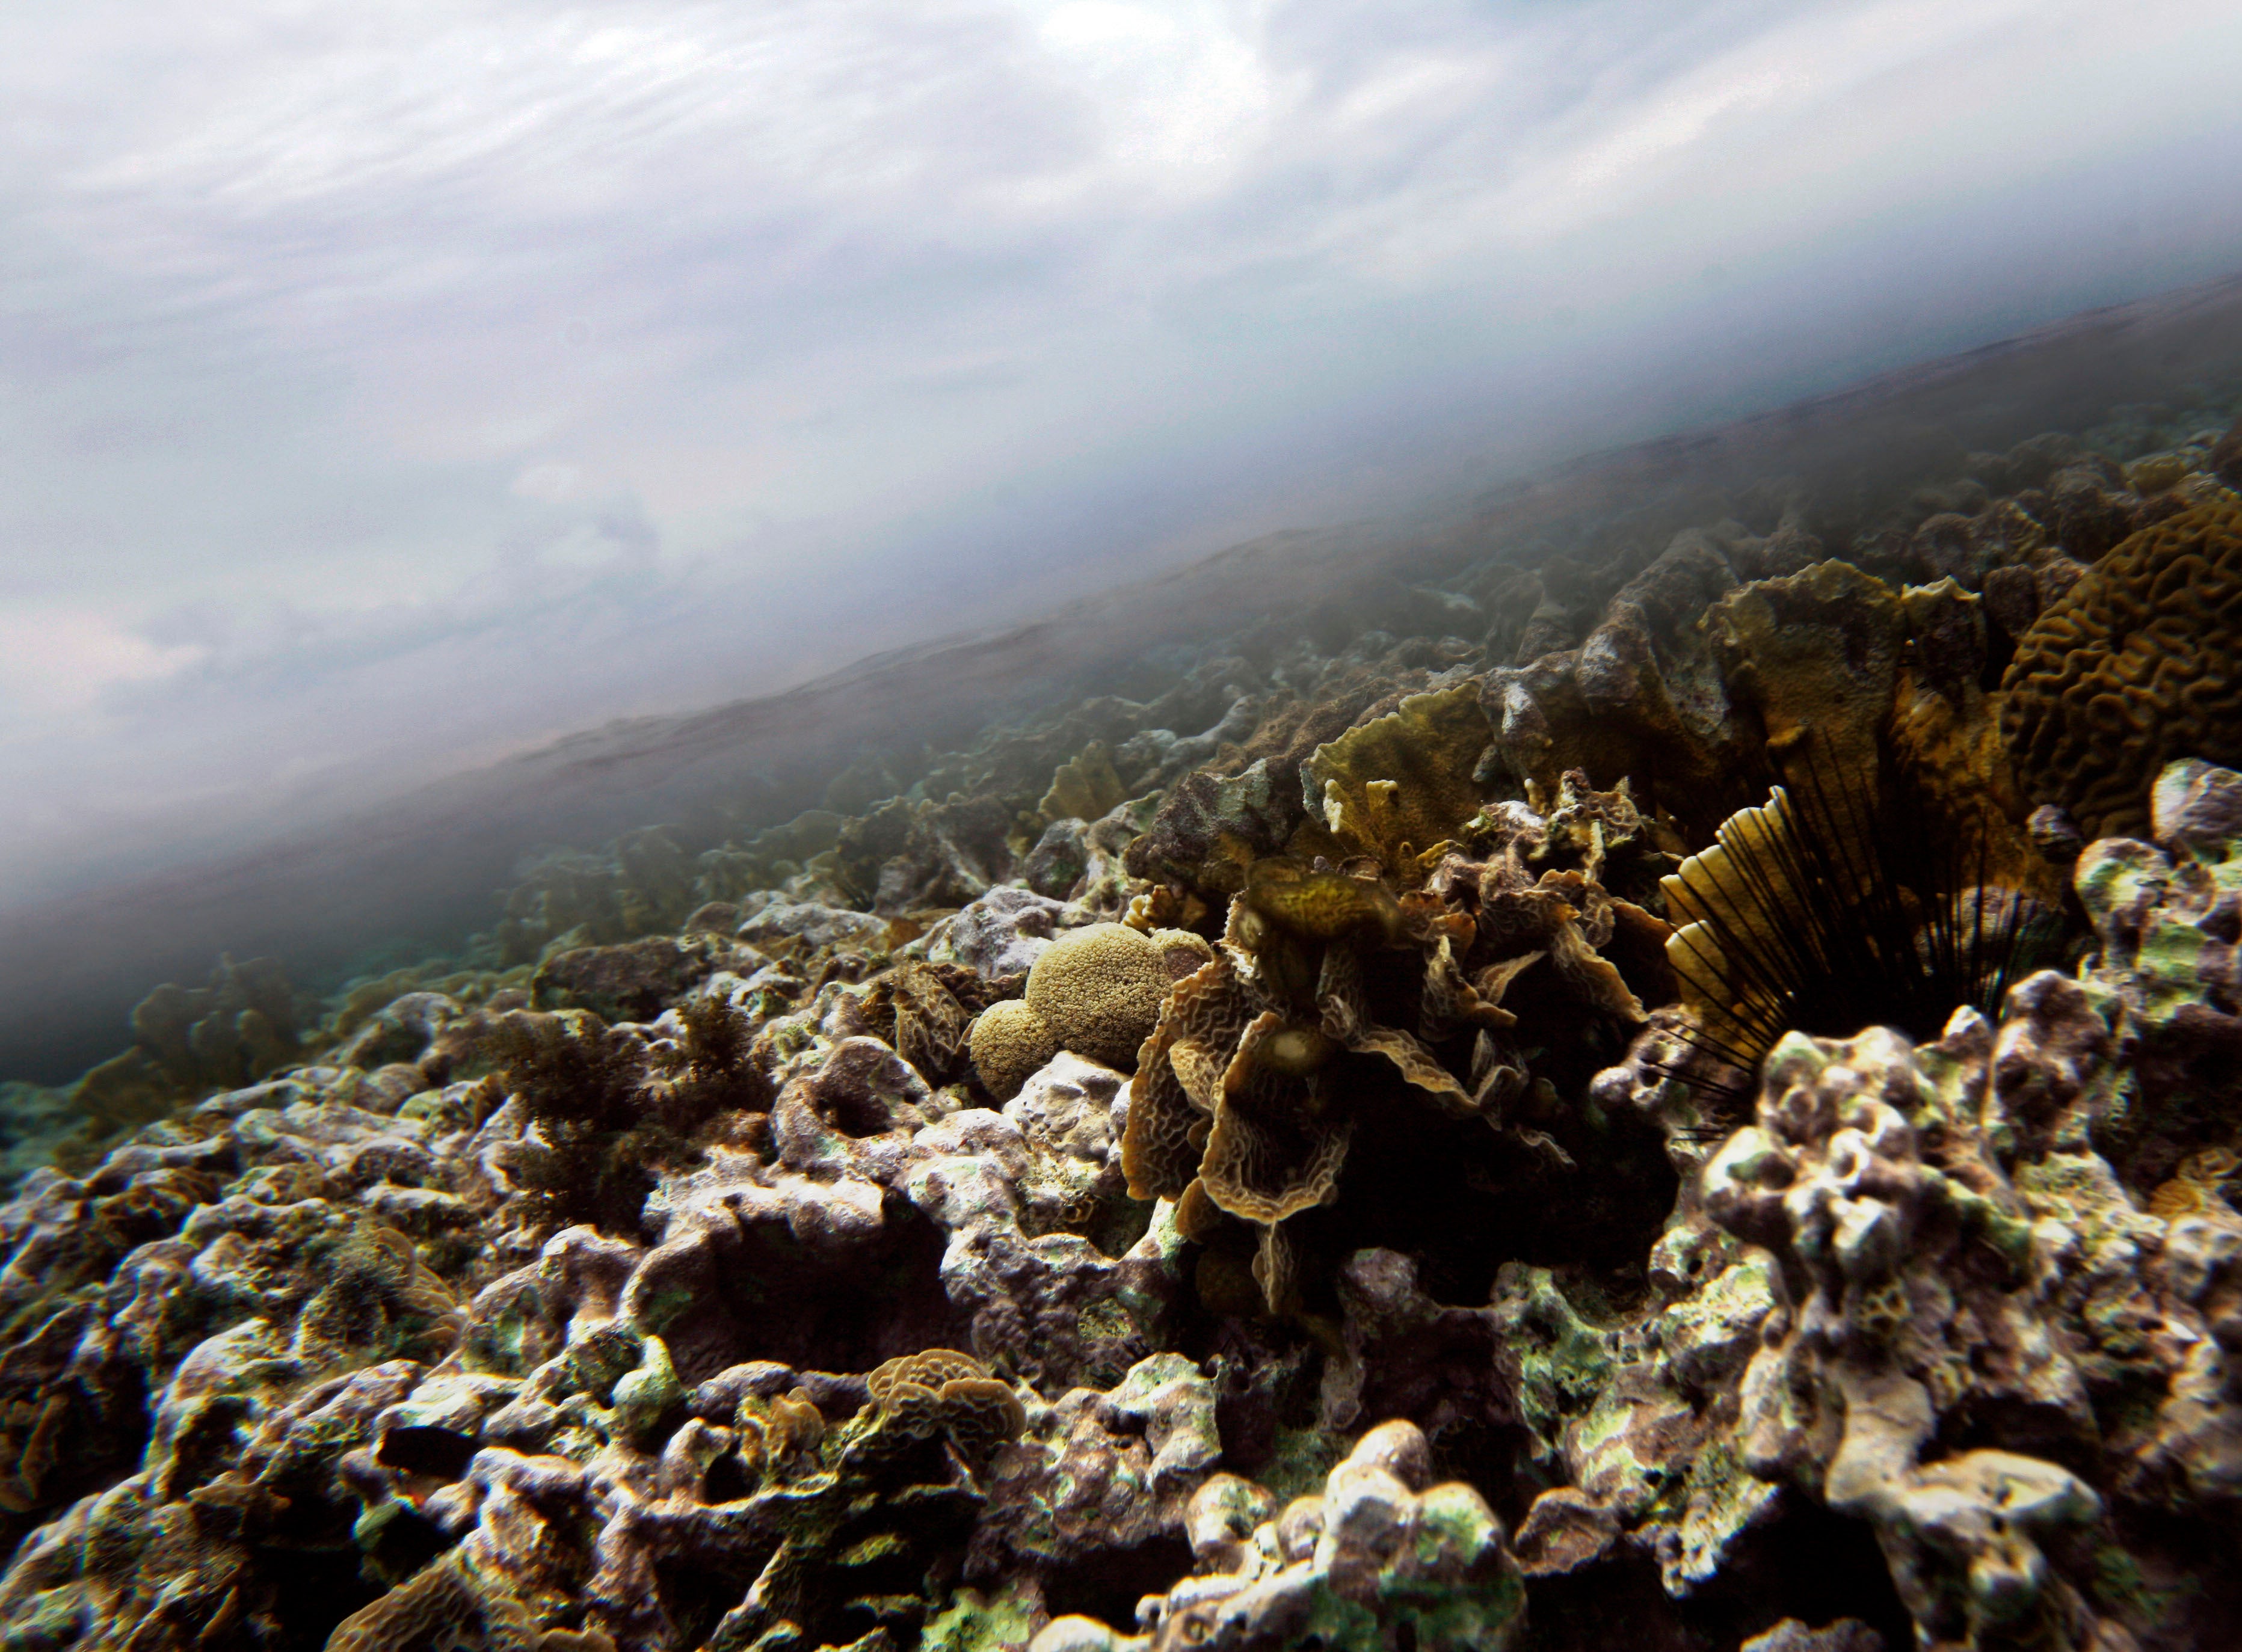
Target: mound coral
{"type": "Point", "coordinates": [1096, 990]}
{"type": "Point", "coordinates": [1009, 1043]}
{"type": "Point", "coordinates": [2135, 668]}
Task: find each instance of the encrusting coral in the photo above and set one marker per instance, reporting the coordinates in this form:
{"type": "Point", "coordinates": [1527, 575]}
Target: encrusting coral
{"type": "Point", "coordinates": [1389, 1133]}
{"type": "Point", "coordinates": [1381, 1559]}
{"type": "Point", "coordinates": [2167, 916]}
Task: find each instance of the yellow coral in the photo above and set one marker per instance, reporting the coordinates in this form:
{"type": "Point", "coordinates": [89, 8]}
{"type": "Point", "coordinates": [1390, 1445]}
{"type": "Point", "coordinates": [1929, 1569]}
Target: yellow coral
{"type": "Point", "coordinates": [1274, 1149]}
{"type": "Point", "coordinates": [1816, 654]}
{"type": "Point", "coordinates": [1318, 905]}
{"type": "Point", "coordinates": [1397, 784]}
{"type": "Point", "coordinates": [447, 1602]}
{"type": "Point", "coordinates": [941, 1391]}
{"type": "Point", "coordinates": [1099, 991]}
{"type": "Point", "coordinates": [1083, 787]}
{"type": "Point", "coordinates": [1171, 1105]}
{"type": "Point", "coordinates": [2197, 1187]}
{"type": "Point", "coordinates": [1184, 953]}
{"type": "Point", "coordinates": [1010, 1044]}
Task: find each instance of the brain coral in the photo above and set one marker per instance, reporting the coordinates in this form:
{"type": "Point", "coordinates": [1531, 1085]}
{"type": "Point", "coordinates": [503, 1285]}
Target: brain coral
{"type": "Point", "coordinates": [1098, 990]}
{"type": "Point", "coordinates": [2136, 666]}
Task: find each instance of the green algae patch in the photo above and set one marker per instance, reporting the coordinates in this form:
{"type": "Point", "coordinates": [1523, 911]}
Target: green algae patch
{"type": "Point", "coordinates": [1454, 1520]}
{"type": "Point", "coordinates": [643, 1397]}
{"type": "Point", "coordinates": [973, 1621]}
{"type": "Point", "coordinates": [1721, 1499]}
{"type": "Point", "coordinates": [1472, 1617]}
{"type": "Point", "coordinates": [2007, 1234]}
{"type": "Point", "coordinates": [1299, 1461]}
{"type": "Point", "coordinates": [1564, 1361]}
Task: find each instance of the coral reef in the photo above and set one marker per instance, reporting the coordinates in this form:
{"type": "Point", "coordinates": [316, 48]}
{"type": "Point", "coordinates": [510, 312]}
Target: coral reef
{"type": "Point", "coordinates": [187, 1042]}
{"type": "Point", "coordinates": [1267, 1061]}
{"type": "Point", "coordinates": [1629, 1093]}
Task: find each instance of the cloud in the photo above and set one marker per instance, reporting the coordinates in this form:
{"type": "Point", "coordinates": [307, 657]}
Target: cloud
{"type": "Point", "coordinates": [383, 387]}
{"type": "Point", "coordinates": [62, 660]}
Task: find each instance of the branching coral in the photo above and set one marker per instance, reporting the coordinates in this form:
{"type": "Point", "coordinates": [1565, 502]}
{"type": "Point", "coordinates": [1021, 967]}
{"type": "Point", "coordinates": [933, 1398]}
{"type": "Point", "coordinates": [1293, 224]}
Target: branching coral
{"type": "Point", "coordinates": [605, 1126]}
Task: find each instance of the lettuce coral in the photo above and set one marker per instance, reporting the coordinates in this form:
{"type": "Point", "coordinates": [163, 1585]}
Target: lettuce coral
{"type": "Point", "coordinates": [1395, 787]}
{"type": "Point", "coordinates": [1332, 1009]}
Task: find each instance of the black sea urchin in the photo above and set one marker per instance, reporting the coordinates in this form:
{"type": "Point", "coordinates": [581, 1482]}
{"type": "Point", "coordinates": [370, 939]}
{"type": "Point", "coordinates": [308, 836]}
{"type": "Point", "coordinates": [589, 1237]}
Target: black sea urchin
{"type": "Point", "coordinates": [1842, 903]}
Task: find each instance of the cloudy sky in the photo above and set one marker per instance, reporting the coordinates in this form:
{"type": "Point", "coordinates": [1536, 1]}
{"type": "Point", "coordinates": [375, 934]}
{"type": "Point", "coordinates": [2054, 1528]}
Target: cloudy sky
{"type": "Point", "coordinates": [386, 385]}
